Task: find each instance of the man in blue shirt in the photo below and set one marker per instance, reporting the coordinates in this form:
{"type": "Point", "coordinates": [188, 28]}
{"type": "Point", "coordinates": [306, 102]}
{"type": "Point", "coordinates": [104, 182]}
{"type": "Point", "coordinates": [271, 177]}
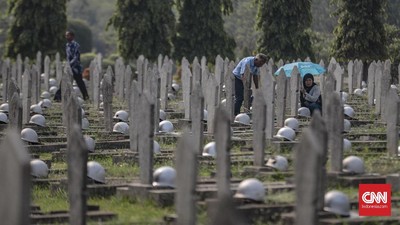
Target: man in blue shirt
{"type": "Point", "coordinates": [254, 63]}
{"type": "Point", "coordinates": [74, 60]}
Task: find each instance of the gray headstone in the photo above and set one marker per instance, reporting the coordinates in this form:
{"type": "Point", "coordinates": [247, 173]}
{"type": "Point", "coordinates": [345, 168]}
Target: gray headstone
{"type": "Point", "coordinates": [295, 81]}
{"type": "Point", "coordinates": [186, 168]}
{"type": "Point", "coordinates": [371, 83]}
{"type": "Point", "coordinates": [212, 103]}
{"type": "Point", "coordinates": [107, 89]}
{"type": "Point", "coordinates": [35, 84]}
{"type": "Point", "coordinates": [322, 79]}
{"type": "Point", "coordinates": [146, 138]}
{"type": "Point", "coordinates": [46, 72]}
{"type": "Point", "coordinates": [332, 66]}
{"type": "Point", "coordinates": [247, 79]}
{"type": "Point", "coordinates": [26, 96]}
{"type": "Point", "coordinates": [5, 70]}
{"type": "Point", "coordinates": [19, 70]}
{"type": "Point", "coordinates": [186, 86]}
{"type": "Point", "coordinates": [281, 98]}
{"type": "Point", "coordinates": [328, 90]}
{"type": "Point", "coordinates": [119, 86]}
{"type": "Point", "coordinates": [358, 72]}
{"type": "Point", "coordinates": [334, 115]}
{"type": "Point", "coordinates": [16, 183]}
{"type": "Point", "coordinates": [39, 62]}
{"type": "Point", "coordinates": [15, 112]}
{"type": "Point", "coordinates": [66, 91]}
{"type": "Point", "coordinates": [258, 117]}
{"type": "Point", "coordinates": [196, 70]}
{"type": "Point", "coordinates": [386, 78]}
{"type": "Point", "coordinates": [164, 86]}
{"type": "Point", "coordinates": [223, 143]}
{"type": "Point", "coordinates": [13, 71]}
{"type": "Point", "coordinates": [197, 112]}
{"type": "Point", "coordinates": [133, 120]}
{"type": "Point", "coordinates": [77, 156]}
{"type": "Point", "coordinates": [268, 86]}
{"type": "Point", "coordinates": [12, 88]}
{"type": "Point", "coordinates": [350, 69]}
{"type": "Point", "coordinates": [59, 69]}
{"type": "Point", "coordinates": [338, 74]}
{"type": "Point", "coordinates": [140, 67]}
{"type": "Point", "coordinates": [128, 81]}
{"type": "Point", "coordinates": [95, 78]}
{"type": "Point", "coordinates": [308, 160]}
{"type": "Point", "coordinates": [392, 117]}
{"type": "Point", "coordinates": [219, 75]}
{"type": "Point", "coordinates": [378, 87]}
{"type": "Point", "coordinates": [230, 90]}
{"type": "Point", "coordinates": [74, 115]}
{"type": "Point", "coordinates": [280, 63]}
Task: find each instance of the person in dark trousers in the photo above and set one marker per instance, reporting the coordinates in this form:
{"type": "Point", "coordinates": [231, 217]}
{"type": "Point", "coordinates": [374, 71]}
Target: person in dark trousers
{"type": "Point", "coordinates": [74, 60]}
{"type": "Point", "coordinates": [254, 63]}
{"type": "Point", "coordinates": [310, 94]}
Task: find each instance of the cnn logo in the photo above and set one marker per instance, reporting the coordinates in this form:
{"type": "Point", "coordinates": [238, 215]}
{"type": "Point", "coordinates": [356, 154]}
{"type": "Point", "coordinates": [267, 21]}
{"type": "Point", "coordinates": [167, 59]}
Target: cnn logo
{"type": "Point", "coordinates": [371, 197]}
{"type": "Point", "coordinates": [374, 200]}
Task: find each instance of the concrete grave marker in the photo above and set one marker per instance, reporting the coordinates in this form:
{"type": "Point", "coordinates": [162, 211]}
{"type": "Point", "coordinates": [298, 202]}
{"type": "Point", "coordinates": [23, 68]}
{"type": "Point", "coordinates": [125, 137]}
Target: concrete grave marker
{"type": "Point", "coordinates": [146, 137]}
{"type": "Point", "coordinates": [358, 72]}
{"type": "Point", "coordinates": [35, 84]}
{"type": "Point", "coordinates": [46, 72]}
{"type": "Point", "coordinates": [281, 98]}
{"type": "Point", "coordinates": [95, 78]}
{"type": "Point", "coordinates": [322, 77]}
{"type": "Point", "coordinates": [127, 84]}
{"type": "Point", "coordinates": [16, 181]}
{"type": "Point", "coordinates": [12, 88]}
{"type": "Point", "coordinates": [378, 87]}
{"type": "Point", "coordinates": [338, 74]}
{"type": "Point", "coordinates": [392, 117]}
{"type": "Point", "coordinates": [74, 115]}
{"type": "Point", "coordinates": [5, 70]}
{"type": "Point", "coordinates": [19, 70]}
{"type": "Point", "coordinates": [350, 76]}
{"type": "Point", "coordinates": [66, 91]}
{"type": "Point", "coordinates": [386, 78]}
{"type": "Point", "coordinates": [186, 86]}
{"type": "Point", "coordinates": [15, 112]}
{"type": "Point", "coordinates": [59, 69]}
{"type": "Point", "coordinates": [295, 81]}
{"type": "Point", "coordinates": [197, 112]}
{"type": "Point", "coordinates": [268, 83]}
{"type": "Point", "coordinates": [164, 86]}
{"type": "Point", "coordinates": [212, 102]}
{"type": "Point", "coordinates": [328, 90]}
{"type": "Point", "coordinates": [230, 90]}
{"type": "Point", "coordinates": [107, 100]}
{"type": "Point", "coordinates": [371, 83]}
{"type": "Point", "coordinates": [77, 157]}
{"type": "Point", "coordinates": [247, 80]}
{"type": "Point", "coordinates": [259, 113]}
{"type": "Point", "coordinates": [133, 117]}
{"type": "Point", "coordinates": [119, 86]}
{"type": "Point", "coordinates": [186, 168]}
{"type": "Point", "coordinates": [334, 114]}
{"type": "Point", "coordinates": [26, 93]}
{"type": "Point", "coordinates": [219, 75]}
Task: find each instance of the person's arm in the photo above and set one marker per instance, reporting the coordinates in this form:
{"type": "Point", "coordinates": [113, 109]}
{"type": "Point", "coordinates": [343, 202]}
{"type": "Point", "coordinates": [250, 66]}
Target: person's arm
{"type": "Point", "coordinates": [255, 80]}
{"type": "Point", "coordinates": [313, 95]}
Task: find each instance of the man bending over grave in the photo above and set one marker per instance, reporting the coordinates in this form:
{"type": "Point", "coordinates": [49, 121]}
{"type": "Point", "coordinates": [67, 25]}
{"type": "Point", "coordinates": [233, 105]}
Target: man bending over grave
{"type": "Point", "coordinates": [254, 63]}
{"type": "Point", "coordinates": [310, 94]}
{"type": "Point", "coordinates": [74, 60]}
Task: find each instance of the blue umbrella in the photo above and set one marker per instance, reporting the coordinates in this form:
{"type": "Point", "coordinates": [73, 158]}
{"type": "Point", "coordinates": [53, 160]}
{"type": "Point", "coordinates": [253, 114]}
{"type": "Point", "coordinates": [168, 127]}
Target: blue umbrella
{"type": "Point", "coordinates": [303, 67]}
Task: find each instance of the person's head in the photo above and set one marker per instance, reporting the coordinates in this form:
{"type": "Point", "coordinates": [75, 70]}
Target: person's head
{"type": "Point", "coordinates": [308, 80]}
{"type": "Point", "coordinates": [260, 60]}
{"type": "Point", "coordinates": [69, 35]}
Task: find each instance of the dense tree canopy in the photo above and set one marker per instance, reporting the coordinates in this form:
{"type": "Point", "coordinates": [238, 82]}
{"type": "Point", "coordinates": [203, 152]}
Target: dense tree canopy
{"type": "Point", "coordinates": [360, 31]}
{"type": "Point", "coordinates": [144, 27]}
{"type": "Point", "coordinates": [200, 30]}
{"type": "Point", "coordinates": [36, 26]}
{"type": "Point", "coordinates": [284, 25]}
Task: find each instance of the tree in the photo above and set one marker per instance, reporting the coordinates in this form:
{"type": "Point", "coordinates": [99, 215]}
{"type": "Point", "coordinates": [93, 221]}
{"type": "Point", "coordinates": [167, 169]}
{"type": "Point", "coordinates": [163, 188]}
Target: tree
{"type": "Point", "coordinates": [200, 30]}
{"type": "Point", "coordinates": [83, 34]}
{"type": "Point", "coordinates": [360, 32]}
{"type": "Point", "coordinates": [144, 27]}
{"type": "Point", "coordinates": [36, 26]}
{"type": "Point", "coordinates": [284, 25]}
{"type": "Point", "coordinates": [393, 12]}
{"type": "Point", "coordinates": [4, 23]}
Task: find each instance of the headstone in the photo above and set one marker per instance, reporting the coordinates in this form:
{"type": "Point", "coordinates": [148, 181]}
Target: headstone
{"type": "Point", "coordinates": [219, 75]}
{"type": "Point", "coordinates": [378, 87]}
{"type": "Point", "coordinates": [186, 168]}
{"type": "Point", "coordinates": [134, 119]}
{"type": "Point", "coordinates": [338, 74]}
{"type": "Point", "coordinates": [74, 115]}
{"type": "Point", "coordinates": [322, 77]}
{"type": "Point", "coordinates": [386, 78]}
{"type": "Point", "coordinates": [13, 72]}
{"type": "Point", "coordinates": [46, 72]}
{"type": "Point", "coordinates": [392, 117]}
{"type": "Point", "coordinates": [146, 137]}
{"type": "Point", "coordinates": [140, 67]}
{"type": "Point", "coordinates": [328, 90]}
{"type": "Point", "coordinates": [95, 83]}
{"type": "Point", "coordinates": [258, 117]}
{"type": "Point", "coordinates": [358, 72]}
{"type": "Point", "coordinates": [332, 66]}
{"type": "Point", "coordinates": [230, 90]}
{"type": "Point", "coordinates": [222, 144]}
{"type": "Point", "coordinates": [59, 69]}
{"type": "Point", "coordinates": [39, 69]}
{"type": "Point", "coordinates": [307, 161]}
{"type": "Point", "coordinates": [350, 69]}
{"type": "Point", "coordinates": [35, 84]}
{"type": "Point", "coordinates": [164, 86]}
{"type": "Point", "coordinates": [16, 181]}
{"type": "Point", "coordinates": [371, 83]}
{"type": "Point", "coordinates": [39, 63]}
{"type": "Point", "coordinates": [66, 91]}
{"type": "Point", "coordinates": [107, 100]}
{"type": "Point", "coordinates": [5, 70]}
{"type": "Point", "coordinates": [295, 81]}
{"type": "Point", "coordinates": [196, 71]}
{"type": "Point", "coordinates": [281, 98]}
{"type": "Point", "coordinates": [128, 81]}
{"type": "Point", "coordinates": [77, 156]}
{"type": "Point", "coordinates": [26, 96]}
{"type": "Point", "coordinates": [212, 103]}
{"type": "Point", "coordinates": [186, 86]}
{"type": "Point", "coordinates": [335, 128]}
{"type": "Point", "coordinates": [119, 78]}
{"type": "Point", "coordinates": [19, 70]}
{"type": "Point", "coordinates": [15, 112]}
{"type": "Point", "coordinates": [12, 88]}
{"type": "Point", "coordinates": [247, 79]}
{"type": "Point", "coordinates": [280, 63]}
{"type": "Point", "coordinates": [197, 112]}
{"type": "Point", "coordinates": [268, 83]}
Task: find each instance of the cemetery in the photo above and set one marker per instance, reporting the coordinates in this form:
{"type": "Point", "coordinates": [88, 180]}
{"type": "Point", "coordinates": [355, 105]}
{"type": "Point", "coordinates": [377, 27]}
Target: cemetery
{"type": "Point", "coordinates": [154, 146]}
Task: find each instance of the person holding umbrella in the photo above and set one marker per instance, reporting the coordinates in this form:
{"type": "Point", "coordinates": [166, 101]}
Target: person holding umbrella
{"type": "Point", "coordinates": [310, 94]}
{"type": "Point", "coordinates": [254, 63]}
